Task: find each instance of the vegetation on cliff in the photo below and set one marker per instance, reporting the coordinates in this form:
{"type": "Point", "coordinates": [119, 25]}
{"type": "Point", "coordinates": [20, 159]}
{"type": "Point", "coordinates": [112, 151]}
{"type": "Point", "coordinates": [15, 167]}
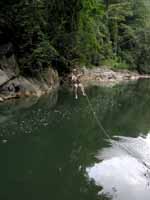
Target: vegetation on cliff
{"type": "Point", "coordinates": [61, 33]}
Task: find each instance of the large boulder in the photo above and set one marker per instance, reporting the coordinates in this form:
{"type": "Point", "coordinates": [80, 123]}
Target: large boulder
{"type": "Point", "coordinates": [13, 85]}
{"type": "Point", "coordinates": [8, 64]}
{"type": "Point", "coordinates": [3, 77]}
{"type": "Point", "coordinates": [22, 86]}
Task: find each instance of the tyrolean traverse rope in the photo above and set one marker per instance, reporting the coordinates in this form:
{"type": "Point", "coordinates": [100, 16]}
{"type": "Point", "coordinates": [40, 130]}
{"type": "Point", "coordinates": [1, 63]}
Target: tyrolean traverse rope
{"type": "Point", "coordinates": [108, 136]}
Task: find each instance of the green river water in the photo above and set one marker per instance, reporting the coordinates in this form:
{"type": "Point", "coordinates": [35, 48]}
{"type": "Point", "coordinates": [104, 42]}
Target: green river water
{"type": "Point", "coordinates": [46, 145]}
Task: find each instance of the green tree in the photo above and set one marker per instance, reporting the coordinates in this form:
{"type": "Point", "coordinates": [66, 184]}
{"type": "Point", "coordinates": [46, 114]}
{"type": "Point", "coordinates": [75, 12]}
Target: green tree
{"type": "Point", "coordinates": [61, 33]}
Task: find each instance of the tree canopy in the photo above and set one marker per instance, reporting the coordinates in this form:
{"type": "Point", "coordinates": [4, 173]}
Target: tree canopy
{"type": "Point", "coordinates": [62, 33]}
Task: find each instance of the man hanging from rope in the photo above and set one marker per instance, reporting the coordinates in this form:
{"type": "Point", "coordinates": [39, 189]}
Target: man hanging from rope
{"type": "Point", "coordinates": [75, 79]}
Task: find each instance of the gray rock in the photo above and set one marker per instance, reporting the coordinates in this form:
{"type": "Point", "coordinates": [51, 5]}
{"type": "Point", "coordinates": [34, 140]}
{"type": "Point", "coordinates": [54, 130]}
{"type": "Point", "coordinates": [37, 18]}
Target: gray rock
{"type": "Point", "coordinates": [107, 77]}
{"type": "Point", "coordinates": [3, 77]}
{"type": "Point", "coordinates": [13, 85]}
{"type": "Point", "coordinates": [22, 86]}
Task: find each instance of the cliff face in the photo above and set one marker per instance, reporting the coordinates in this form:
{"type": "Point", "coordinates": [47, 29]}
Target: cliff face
{"type": "Point", "coordinates": [13, 84]}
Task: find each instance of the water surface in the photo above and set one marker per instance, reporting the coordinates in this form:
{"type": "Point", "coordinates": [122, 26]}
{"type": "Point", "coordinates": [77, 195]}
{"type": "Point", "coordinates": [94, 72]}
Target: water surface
{"type": "Point", "coordinates": [52, 148]}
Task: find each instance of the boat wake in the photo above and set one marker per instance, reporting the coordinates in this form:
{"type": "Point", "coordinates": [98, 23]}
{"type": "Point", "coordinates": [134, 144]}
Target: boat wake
{"type": "Point", "coordinates": [124, 169]}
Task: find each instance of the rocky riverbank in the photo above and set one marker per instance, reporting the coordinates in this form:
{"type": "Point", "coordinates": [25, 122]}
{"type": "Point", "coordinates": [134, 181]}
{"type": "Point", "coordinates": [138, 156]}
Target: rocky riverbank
{"type": "Point", "coordinates": [13, 85]}
{"type": "Point", "coordinates": [108, 77]}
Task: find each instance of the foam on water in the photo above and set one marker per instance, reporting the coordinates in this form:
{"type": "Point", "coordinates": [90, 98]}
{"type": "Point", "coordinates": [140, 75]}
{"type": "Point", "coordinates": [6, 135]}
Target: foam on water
{"type": "Point", "coordinates": [124, 171]}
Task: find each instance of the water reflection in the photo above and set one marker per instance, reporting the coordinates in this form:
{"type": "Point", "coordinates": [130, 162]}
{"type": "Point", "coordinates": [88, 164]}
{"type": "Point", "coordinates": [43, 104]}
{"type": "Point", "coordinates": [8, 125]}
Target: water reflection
{"type": "Point", "coordinates": [124, 170]}
{"type": "Point", "coordinates": [47, 144]}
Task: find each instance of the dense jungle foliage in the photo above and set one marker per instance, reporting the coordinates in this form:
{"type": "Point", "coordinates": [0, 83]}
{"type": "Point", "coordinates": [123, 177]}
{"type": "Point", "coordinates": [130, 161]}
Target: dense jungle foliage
{"type": "Point", "coordinates": [62, 33]}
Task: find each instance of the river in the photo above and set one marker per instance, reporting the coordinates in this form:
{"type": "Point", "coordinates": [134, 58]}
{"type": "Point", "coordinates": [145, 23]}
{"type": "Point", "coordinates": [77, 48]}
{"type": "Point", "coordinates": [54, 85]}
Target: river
{"type": "Point", "coordinates": [52, 148]}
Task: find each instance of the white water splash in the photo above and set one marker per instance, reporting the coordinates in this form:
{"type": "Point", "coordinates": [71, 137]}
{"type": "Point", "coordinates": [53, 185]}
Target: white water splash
{"type": "Point", "coordinates": [124, 170]}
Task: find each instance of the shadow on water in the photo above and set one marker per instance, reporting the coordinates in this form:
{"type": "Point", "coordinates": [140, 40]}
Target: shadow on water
{"type": "Point", "coordinates": [46, 145]}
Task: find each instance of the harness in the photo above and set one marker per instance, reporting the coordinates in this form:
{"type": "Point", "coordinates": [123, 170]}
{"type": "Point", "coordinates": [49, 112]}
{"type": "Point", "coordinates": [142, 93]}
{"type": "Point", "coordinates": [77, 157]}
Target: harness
{"type": "Point", "coordinates": [75, 79]}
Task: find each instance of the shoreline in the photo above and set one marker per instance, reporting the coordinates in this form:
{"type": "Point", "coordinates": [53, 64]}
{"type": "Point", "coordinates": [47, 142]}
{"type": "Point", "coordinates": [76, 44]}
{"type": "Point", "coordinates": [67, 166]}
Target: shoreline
{"type": "Point", "coordinates": [109, 77]}
{"type": "Point", "coordinates": [96, 76]}
{"type": "Point", "coordinates": [21, 86]}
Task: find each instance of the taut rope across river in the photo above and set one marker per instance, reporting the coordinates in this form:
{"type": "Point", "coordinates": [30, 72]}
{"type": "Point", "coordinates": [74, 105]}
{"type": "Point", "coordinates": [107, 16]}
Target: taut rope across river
{"type": "Point", "coordinates": [106, 133]}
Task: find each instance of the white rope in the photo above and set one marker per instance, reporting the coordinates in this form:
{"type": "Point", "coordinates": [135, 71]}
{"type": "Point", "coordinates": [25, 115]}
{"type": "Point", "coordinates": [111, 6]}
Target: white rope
{"type": "Point", "coordinates": [97, 120]}
{"type": "Point", "coordinates": [109, 138]}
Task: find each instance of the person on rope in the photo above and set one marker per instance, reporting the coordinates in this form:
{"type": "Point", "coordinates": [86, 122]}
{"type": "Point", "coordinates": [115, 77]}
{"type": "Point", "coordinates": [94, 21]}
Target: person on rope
{"type": "Point", "coordinates": [75, 79]}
